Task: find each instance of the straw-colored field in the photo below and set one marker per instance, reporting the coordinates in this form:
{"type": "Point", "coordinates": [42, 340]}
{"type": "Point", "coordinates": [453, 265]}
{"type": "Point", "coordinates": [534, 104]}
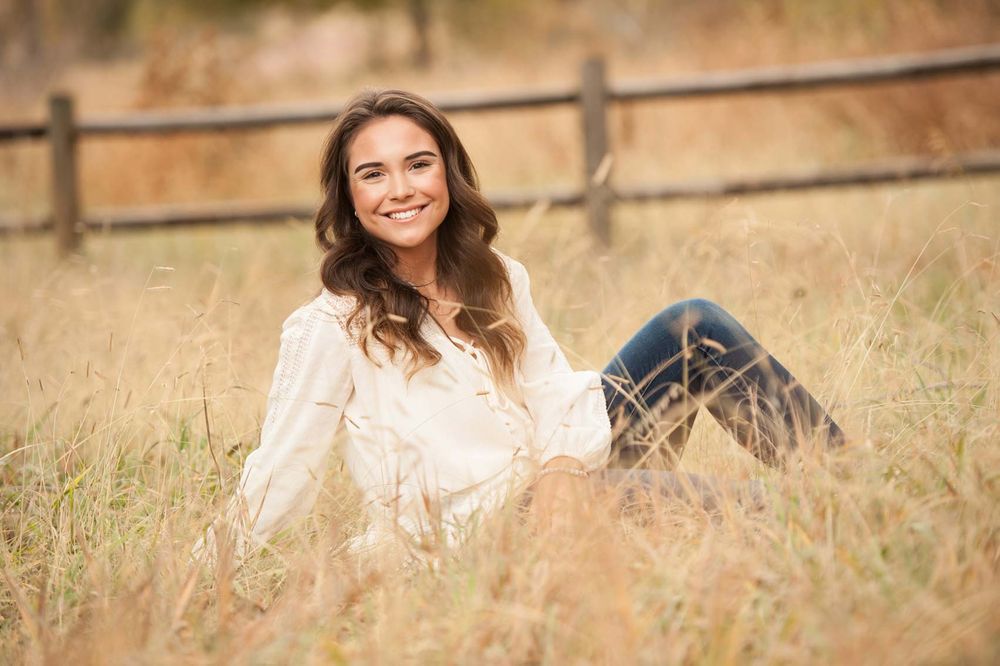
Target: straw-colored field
{"type": "Point", "coordinates": [884, 302]}
{"type": "Point", "coordinates": [134, 377]}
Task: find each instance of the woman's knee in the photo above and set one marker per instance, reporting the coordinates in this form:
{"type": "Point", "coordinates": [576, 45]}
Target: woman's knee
{"type": "Point", "coordinates": [691, 314]}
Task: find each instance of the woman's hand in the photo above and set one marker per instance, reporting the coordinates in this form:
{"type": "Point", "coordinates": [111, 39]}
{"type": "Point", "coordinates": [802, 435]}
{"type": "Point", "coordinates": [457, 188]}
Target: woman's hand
{"type": "Point", "coordinates": [560, 498]}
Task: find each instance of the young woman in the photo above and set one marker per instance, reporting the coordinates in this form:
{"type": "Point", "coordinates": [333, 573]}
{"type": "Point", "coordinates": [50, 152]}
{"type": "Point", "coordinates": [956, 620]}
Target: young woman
{"type": "Point", "coordinates": [424, 342]}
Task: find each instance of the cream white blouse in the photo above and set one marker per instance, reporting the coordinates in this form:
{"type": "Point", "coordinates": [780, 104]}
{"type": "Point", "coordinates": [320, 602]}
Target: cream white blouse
{"type": "Point", "coordinates": [429, 454]}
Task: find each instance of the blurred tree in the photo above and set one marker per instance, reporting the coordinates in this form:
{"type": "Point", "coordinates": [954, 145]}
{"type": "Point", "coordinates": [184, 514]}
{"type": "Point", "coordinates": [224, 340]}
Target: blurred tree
{"type": "Point", "coordinates": [418, 12]}
{"type": "Point", "coordinates": [420, 18]}
{"type": "Point", "coordinates": [20, 32]}
{"type": "Point", "coordinates": [31, 27]}
{"type": "Point", "coordinates": [36, 29]}
{"type": "Point", "coordinates": [98, 25]}
{"type": "Point", "coordinates": [488, 24]}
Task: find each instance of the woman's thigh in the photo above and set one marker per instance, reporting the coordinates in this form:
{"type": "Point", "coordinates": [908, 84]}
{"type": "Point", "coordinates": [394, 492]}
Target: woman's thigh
{"type": "Point", "coordinates": [660, 355]}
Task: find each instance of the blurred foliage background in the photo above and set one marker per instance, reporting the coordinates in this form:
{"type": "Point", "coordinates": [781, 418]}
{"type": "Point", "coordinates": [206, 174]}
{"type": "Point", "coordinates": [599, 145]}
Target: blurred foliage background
{"type": "Point", "coordinates": [121, 55]}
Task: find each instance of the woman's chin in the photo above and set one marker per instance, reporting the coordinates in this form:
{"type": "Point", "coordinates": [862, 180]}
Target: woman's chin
{"type": "Point", "coordinates": [408, 242]}
{"type": "Point", "coordinates": [409, 239]}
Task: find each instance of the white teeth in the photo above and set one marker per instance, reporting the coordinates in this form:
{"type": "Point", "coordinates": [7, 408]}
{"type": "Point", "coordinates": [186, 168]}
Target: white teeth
{"type": "Point", "coordinates": [405, 215]}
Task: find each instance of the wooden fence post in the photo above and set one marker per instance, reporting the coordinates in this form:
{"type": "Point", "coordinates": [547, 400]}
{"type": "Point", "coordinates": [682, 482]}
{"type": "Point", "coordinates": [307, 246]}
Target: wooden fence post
{"type": "Point", "coordinates": [597, 157]}
{"type": "Point", "coordinates": [65, 200]}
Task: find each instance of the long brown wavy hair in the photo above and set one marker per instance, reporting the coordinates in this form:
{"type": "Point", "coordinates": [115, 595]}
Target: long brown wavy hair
{"type": "Point", "coordinates": [357, 264]}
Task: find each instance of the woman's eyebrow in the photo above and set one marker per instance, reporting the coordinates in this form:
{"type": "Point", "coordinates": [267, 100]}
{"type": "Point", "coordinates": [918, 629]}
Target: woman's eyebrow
{"type": "Point", "coordinates": [419, 153]}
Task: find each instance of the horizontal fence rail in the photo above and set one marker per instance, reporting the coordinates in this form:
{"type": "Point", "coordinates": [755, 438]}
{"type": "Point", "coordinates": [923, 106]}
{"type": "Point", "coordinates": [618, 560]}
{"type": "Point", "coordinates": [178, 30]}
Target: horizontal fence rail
{"type": "Point", "coordinates": [817, 75]}
{"type": "Point", "coordinates": [15, 131]}
{"type": "Point", "coordinates": [211, 213]}
{"type": "Point", "coordinates": [593, 95]}
{"type": "Point", "coordinates": [222, 119]}
{"type": "Point", "coordinates": [888, 171]}
{"type": "Point", "coordinates": [809, 76]}
{"type": "Point", "coordinates": [150, 216]}
{"type": "Point", "coordinates": [255, 118]}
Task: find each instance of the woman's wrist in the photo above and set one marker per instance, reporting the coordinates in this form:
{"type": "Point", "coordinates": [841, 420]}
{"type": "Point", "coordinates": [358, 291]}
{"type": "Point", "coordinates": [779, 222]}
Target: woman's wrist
{"type": "Point", "coordinates": [564, 462]}
{"type": "Point", "coordinates": [560, 492]}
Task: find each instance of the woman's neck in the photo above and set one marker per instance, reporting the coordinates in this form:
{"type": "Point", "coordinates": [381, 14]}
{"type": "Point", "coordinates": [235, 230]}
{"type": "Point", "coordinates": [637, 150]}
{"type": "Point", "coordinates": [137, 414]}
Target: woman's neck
{"type": "Point", "coordinates": [418, 265]}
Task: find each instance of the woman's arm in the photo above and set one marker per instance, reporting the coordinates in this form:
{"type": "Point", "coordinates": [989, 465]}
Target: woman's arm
{"type": "Point", "coordinates": [567, 407]}
{"type": "Point", "coordinates": [558, 496]}
{"type": "Point", "coordinates": [572, 430]}
{"type": "Point", "coordinates": [282, 477]}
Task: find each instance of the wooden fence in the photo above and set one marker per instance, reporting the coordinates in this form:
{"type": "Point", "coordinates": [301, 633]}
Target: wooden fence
{"type": "Point", "coordinates": [593, 95]}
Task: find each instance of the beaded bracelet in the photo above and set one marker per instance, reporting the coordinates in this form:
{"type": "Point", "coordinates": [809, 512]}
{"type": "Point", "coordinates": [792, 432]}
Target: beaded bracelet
{"type": "Point", "coordinates": [582, 473]}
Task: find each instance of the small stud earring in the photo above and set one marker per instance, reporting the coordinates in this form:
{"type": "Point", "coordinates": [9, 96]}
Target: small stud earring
{"type": "Point", "coordinates": [356, 214]}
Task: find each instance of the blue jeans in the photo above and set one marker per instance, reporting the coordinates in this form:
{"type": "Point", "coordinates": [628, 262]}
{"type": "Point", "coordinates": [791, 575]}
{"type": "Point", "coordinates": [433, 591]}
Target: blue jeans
{"type": "Point", "coordinates": [694, 354]}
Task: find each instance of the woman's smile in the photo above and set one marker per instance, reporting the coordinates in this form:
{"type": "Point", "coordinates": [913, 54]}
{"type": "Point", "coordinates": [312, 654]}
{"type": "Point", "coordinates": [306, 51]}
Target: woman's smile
{"type": "Point", "coordinates": [405, 214]}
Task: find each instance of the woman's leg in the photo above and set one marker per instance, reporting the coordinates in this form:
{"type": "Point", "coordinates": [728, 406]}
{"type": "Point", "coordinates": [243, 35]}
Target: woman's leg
{"type": "Point", "coordinates": [695, 353]}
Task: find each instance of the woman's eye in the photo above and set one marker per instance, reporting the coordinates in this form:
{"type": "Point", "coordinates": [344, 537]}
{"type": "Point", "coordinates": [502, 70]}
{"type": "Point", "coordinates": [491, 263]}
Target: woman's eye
{"type": "Point", "coordinates": [371, 175]}
{"type": "Point", "coordinates": [420, 165]}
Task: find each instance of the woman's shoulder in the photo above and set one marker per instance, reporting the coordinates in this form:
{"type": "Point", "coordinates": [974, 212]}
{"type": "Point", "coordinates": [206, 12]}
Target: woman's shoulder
{"type": "Point", "coordinates": [327, 312]}
{"type": "Point", "coordinates": [515, 269]}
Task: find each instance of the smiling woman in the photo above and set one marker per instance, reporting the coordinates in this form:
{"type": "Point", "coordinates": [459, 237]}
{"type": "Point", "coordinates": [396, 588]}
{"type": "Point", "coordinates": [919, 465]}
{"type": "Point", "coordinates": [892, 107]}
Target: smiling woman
{"type": "Point", "coordinates": [425, 343]}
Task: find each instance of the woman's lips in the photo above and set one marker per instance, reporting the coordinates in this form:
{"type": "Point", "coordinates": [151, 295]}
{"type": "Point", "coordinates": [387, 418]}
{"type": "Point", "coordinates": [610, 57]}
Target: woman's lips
{"type": "Point", "coordinates": [418, 209]}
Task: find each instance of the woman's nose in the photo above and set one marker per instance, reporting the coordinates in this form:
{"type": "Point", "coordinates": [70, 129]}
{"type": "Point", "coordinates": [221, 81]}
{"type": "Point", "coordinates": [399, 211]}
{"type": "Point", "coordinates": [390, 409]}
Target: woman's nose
{"type": "Point", "coordinates": [400, 187]}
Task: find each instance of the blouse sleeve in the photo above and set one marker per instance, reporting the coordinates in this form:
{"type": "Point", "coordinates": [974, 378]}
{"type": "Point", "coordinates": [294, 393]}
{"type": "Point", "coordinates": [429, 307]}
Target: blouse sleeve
{"type": "Point", "coordinates": [567, 407]}
{"type": "Point", "coordinates": [282, 477]}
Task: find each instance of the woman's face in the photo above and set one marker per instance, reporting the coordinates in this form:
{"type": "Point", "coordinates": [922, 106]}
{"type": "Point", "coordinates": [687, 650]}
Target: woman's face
{"type": "Point", "coordinates": [398, 185]}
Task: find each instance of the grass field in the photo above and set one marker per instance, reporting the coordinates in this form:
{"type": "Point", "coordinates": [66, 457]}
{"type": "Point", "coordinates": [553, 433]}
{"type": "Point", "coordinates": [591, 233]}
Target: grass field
{"type": "Point", "coordinates": [885, 302]}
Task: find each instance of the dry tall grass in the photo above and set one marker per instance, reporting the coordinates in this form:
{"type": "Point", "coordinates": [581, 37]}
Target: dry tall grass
{"type": "Point", "coordinates": [883, 301]}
